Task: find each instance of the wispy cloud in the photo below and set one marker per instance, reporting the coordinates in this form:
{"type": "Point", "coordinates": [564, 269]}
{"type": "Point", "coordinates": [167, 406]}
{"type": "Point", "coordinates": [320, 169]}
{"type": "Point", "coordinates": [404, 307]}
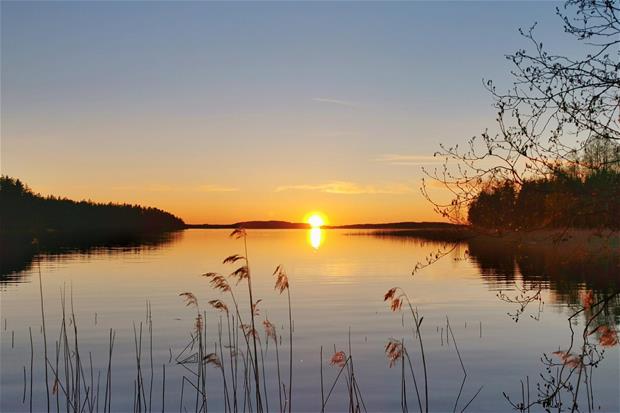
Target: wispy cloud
{"type": "Point", "coordinates": [340, 102]}
{"type": "Point", "coordinates": [396, 159]}
{"type": "Point", "coordinates": [171, 188]}
{"type": "Point", "coordinates": [215, 188]}
{"type": "Point", "coordinates": [349, 188]}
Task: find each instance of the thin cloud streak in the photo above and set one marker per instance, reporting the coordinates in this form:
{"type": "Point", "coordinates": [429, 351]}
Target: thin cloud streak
{"type": "Point", "coordinates": [340, 102]}
{"type": "Point", "coordinates": [170, 188]}
{"type": "Point", "coordinates": [215, 188]}
{"type": "Point", "coordinates": [397, 159]}
{"type": "Point", "coordinates": [349, 188]}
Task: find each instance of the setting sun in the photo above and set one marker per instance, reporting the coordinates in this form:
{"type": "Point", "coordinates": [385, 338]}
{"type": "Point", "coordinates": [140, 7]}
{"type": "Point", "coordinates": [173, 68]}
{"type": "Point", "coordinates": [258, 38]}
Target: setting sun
{"type": "Point", "coordinates": [316, 221]}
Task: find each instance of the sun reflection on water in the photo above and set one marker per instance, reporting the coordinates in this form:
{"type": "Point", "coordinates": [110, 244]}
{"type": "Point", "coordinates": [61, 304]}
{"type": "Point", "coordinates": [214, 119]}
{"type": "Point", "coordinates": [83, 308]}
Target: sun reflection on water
{"type": "Point", "coordinates": [315, 237]}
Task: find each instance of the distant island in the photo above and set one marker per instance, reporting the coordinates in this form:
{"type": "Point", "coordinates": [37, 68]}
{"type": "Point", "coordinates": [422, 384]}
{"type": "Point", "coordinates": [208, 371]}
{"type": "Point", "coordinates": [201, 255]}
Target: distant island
{"type": "Point", "coordinates": [253, 225]}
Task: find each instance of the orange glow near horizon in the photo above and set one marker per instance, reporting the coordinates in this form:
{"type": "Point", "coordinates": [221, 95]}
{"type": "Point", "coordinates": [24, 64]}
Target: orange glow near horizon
{"type": "Point", "coordinates": [230, 207]}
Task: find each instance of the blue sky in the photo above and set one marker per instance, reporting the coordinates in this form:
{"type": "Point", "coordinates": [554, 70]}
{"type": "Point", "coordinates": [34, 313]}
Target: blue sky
{"type": "Point", "coordinates": [230, 111]}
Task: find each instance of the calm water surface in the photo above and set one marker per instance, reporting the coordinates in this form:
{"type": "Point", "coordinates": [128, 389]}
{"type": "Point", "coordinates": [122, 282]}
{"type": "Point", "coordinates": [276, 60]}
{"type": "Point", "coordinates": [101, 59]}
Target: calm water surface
{"type": "Point", "coordinates": [337, 285]}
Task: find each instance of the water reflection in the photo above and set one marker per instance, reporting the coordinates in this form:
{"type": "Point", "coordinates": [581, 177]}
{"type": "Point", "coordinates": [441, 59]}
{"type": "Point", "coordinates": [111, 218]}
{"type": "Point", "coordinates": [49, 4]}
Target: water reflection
{"type": "Point", "coordinates": [315, 237]}
{"type": "Point", "coordinates": [20, 251]}
{"type": "Point", "coordinates": [339, 288]}
{"type": "Point", "coordinates": [563, 269]}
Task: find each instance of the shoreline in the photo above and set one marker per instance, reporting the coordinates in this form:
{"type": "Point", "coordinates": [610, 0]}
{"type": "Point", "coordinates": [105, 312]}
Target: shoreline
{"type": "Point", "coordinates": [539, 237]}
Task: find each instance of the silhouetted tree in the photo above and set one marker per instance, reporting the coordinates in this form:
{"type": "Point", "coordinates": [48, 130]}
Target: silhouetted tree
{"type": "Point", "coordinates": [565, 199]}
{"type": "Point", "coordinates": [494, 207]}
{"type": "Point", "coordinates": [560, 119]}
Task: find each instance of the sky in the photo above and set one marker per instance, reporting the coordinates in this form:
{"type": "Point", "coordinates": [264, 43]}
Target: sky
{"type": "Point", "coordinates": [224, 112]}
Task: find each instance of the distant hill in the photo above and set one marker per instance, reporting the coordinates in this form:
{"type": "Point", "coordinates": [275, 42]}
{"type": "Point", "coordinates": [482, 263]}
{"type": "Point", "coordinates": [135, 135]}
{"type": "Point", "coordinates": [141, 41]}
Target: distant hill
{"type": "Point", "coordinates": [399, 225]}
{"type": "Point", "coordinates": [254, 225]}
{"type": "Point", "coordinates": [25, 212]}
{"type": "Point", "coordinates": [301, 225]}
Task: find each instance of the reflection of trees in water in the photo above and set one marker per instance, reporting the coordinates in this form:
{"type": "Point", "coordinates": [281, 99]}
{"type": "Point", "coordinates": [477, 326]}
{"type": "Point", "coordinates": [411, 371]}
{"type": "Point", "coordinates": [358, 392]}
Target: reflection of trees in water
{"type": "Point", "coordinates": [585, 279]}
{"type": "Point", "coordinates": [19, 252]}
{"type": "Point", "coordinates": [495, 262]}
{"type": "Point", "coordinates": [565, 268]}
{"type": "Point", "coordinates": [562, 268]}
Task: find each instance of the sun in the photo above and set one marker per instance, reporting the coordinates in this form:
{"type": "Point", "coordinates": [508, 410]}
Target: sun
{"type": "Point", "coordinates": [316, 221]}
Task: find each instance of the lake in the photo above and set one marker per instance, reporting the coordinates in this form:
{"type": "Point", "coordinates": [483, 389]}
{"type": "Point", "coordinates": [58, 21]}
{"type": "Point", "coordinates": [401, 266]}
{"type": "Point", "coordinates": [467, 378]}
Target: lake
{"type": "Point", "coordinates": [338, 279]}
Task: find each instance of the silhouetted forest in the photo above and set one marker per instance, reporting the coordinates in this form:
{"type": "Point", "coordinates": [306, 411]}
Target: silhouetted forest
{"type": "Point", "coordinates": [23, 211]}
{"type": "Point", "coordinates": [569, 196]}
{"type": "Point", "coordinates": [562, 200]}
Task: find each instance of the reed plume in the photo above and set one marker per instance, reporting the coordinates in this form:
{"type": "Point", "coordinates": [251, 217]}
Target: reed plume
{"type": "Point", "coordinates": [217, 281]}
{"type": "Point", "coordinates": [231, 259]}
{"type": "Point", "coordinates": [339, 359]}
{"type": "Point", "coordinates": [394, 351]}
{"type": "Point", "coordinates": [241, 273]}
{"type": "Point", "coordinates": [270, 330]}
{"type": "Point", "coordinates": [396, 301]}
{"type": "Point", "coordinates": [213, 359]}
{"type": "Point", "coordinates": [219, 305]}
{"type": "Point", "coordinates": [190, 299]}
{"type": "Point", "coordinates": [238, 233]}
{"type": "Point", "coordinates": [248, 330]}
{"type": "Point", "coordinates": [255, 309]}
{"type": "Point", "coordinates": [281, 279]}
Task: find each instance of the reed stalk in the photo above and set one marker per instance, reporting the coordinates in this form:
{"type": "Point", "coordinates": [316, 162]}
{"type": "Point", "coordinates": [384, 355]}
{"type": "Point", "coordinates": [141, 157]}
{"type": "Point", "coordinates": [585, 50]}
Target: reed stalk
{"type": "Point", "coordinates": [259, 404]}
{"type": "Point", "coordinates": [31, 365]}
{"type": "Point", "coordinates": [227, 396]}
{"type": "Point", "coordinates": [290, 370]}
{"type": "Point", "coordinates": [47, 389]}
{"type": "Point", "coordinates": [322, 392]}
{"type": "Point", "coordinates": [163, 389]}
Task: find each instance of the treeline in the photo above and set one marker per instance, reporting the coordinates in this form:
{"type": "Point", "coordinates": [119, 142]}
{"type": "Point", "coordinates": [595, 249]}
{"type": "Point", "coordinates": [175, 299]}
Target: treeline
{"type": "Point", "coordinates": [562, 200]}
{"type": "Point", "coordinates": [582, 193]}
{"type": "Point", "coordinates": [23, 211]}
